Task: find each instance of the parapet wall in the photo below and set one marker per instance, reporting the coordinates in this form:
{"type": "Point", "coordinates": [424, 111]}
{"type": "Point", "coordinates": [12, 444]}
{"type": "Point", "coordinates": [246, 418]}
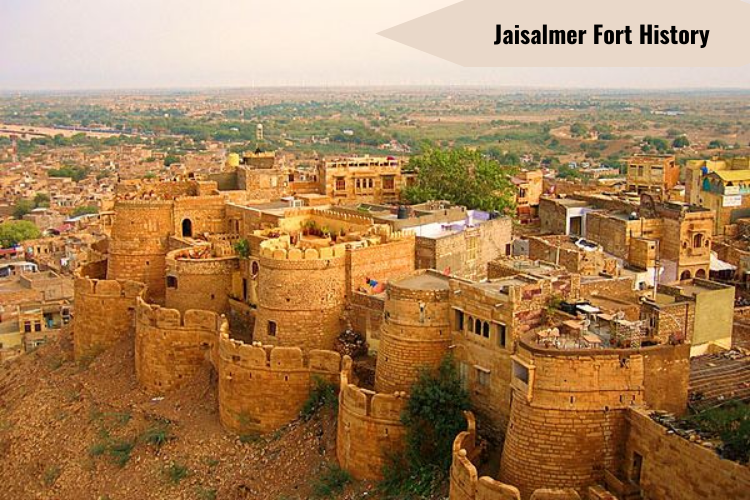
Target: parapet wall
{"type": "Point", "coordinates": [415, 333]}
{"type": "Point", "coordinates": [199, 283]}
{"type": "Point", "coordinates": [170, 347]}
{"type": "Point", "coordinates": [264, 388]}
{"type": "Point", "coordinates": [465, 483]}
{"type": "Point", "coordinates": [301, 302]}
{"type": "Point", "coordinates": [675, 468]}
{"type": "Point", "coordinates": [369, 427]}
{"type": "Point", "coordinates": [139, 243]}
{"type": "Point", "coordinates": [567, 421]}
{"type": "Point", "coordinates": [104, 310]}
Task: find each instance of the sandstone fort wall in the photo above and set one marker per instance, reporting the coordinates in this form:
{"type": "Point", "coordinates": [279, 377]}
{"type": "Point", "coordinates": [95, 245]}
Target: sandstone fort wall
{"type": "Point", "coordinates": [465, 483]}
{"type": "Point", "coordinates": [415, 333]}
{"type": "Point", "coordinates": [673, 467]}
{"type": "Point", "coordinates": [264, 388]}
{"type": "Point", "coordinates": [369, 427]}
{"type": "Point", "coordinates": [170, 347]}
{"type": "Point", "coordinates": [301, 297]}
{"type": "Point", "coordinates": [199, 283]}
{"type": "Point", "coordinates": [104, 309]}
{"type": "Point", "coordinates": [567, 422]}
{"type": "Point", "coordinates": [139, 243]}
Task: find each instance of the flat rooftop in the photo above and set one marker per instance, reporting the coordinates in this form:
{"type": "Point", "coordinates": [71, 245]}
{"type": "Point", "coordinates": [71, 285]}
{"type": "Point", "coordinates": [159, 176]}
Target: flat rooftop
{"type": "Point", "coordinates": [425, 281]}
{"type": "Point", "coordinates": [718, 378]}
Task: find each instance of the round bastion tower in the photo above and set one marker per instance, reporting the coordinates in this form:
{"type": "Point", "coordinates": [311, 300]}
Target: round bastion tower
{"type": "Point", "coordinates": [301, 296]}
{"type": "Point", "coordinates": [415, 331]}
{"type": "Point", "coordinates": [139, 244]}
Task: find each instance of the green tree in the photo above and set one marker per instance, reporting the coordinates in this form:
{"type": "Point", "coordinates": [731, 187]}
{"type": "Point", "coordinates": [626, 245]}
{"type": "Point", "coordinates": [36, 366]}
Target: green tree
{"type": "Point", "coordinates": [22, 208]}
{"type": "Point", "coordinates": [463, 177]}
{"type": "Point", "coordinates": [84, 210]}
{"type": "Point", "coordinates": [681, 142]}
{"type": "Point", "coordinates": [579, 130]}
{"type": "Point", "coordinates": [75, 173]}
{"type": "Point", "coordinates": [16, 231]}
{"type": "Point", "coordinates": [41, 200]}
{"type": "Point", "coordinates": [433, 417]}
{"type": "Point", "coordinates": [170, 159]}
{"type": "Point", "coordinates": [717, 144]}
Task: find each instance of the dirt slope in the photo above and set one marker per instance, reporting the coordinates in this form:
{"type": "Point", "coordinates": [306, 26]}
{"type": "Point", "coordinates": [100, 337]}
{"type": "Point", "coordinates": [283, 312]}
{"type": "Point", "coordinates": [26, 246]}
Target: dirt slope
{"type": "Point", "coordinates": [64, 427]}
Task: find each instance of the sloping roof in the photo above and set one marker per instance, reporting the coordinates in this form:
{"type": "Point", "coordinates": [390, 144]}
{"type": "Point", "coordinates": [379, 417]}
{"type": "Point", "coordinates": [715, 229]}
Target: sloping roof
{"type": "Point", "coordinates": [733, 175]}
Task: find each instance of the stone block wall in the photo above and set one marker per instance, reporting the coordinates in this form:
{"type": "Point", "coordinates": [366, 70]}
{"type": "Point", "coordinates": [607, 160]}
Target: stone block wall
{"type": "Point", "coordinates": [207, 214]}
{"type": "Point", "coordinates": [199, 283]}
{"type": "Point", "coordinates": [415, 333]}
{"type": "Point", "coordinates": [380, 262]}
{"type": "Point", "coordinates": [369, 427]}
{"type": "Point", "coordinates": [301, 297]}
{"type": "Point", "coordinates": [264, 388]}
{"type": "Point", "coordinates": [673, 467]}
{"type": "Point", "coordinates": [139, 243]}
{"type": "Point", "coordinates": [104, 309]}
{"type": "Point", "coordinates": [170, 347]}
{"type": "Point", "coordinates": [465, 483]}
{"type": "Point", "coordinates": [568, 423]}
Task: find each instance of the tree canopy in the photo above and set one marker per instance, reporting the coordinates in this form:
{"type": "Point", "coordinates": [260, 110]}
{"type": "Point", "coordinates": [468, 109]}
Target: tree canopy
{"type": "Point", "coordinates": [463, 177]}
{"type": "Point", "coordinates": [16, 231]}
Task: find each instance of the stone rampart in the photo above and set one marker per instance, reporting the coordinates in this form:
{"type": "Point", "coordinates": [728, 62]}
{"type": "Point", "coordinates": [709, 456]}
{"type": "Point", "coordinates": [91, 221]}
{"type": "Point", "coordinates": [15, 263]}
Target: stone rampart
{"type": "Point", "coordinates": [466, 484]}
{"type": "Point", "coordinates": [139, 243]}
{"type": "Point", "coordinates": [264, 388]}
{"type": "Point", "coordinates": [199, 283]}
{"type": "Point", "coordinates": [415, 333]}
{"type": "Point", "coordinates": [369, 427]}
{"type": "Point", "coordinates": [104, 309]}
{"type": "Point", "coordinates": [301, 297]}
{"type": "Point", "coordinates": [567, 421]}
{"type": "Point", "coordinates": [170, 347]}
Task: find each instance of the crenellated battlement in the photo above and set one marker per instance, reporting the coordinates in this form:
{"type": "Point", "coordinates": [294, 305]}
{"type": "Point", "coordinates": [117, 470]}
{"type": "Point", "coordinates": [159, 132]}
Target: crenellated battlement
{"type": "Point", "coordinates": [256, 356]}
{"type": "Point", "coordinates": [160, 317]}
{"type": "Point", "coordinates": [104, 309]}
{"type": "Point", "coordinates": [277, 249]}
{"type": "Point", "coordinates": [369, 426]}
{"type": "Point", "coordinates": [466, 484]}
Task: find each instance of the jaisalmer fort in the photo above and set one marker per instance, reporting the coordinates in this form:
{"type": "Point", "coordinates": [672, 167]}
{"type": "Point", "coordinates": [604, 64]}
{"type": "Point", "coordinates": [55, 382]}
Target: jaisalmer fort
{"type": "Point", "coordinates": [255, 251]}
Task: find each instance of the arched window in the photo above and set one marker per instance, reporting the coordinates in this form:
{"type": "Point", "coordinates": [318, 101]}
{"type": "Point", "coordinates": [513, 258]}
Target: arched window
{"type": "Point", "coordinates": [187, 228]}
{"type": "Point", "coordinates": [697, 240]}
{"type": "Point", "coordinates": [700, 273]}
{"type": "Point", "coordinates": [685, 275]}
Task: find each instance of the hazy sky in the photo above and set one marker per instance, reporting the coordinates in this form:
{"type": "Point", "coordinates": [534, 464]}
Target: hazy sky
{"type": "Point", "coordinates": [109, 44]}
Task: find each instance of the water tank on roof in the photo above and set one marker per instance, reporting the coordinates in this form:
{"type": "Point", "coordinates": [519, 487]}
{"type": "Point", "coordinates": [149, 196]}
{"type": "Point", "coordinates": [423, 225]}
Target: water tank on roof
{"type": "Point", "coordinates": [403, 212]}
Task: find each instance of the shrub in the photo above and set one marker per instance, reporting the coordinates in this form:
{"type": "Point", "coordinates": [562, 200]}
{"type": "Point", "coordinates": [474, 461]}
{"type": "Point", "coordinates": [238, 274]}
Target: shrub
{"type": "Point", "coordinates": [242, 247]}
{"type": "Point", "coordinates": [119, 452]}
{"type": "Point", "coordinates": [433, 416]}
{"type": "Point", "coordinates": [323, 395]}
{"type": "Point", "coordinates": [731, 424]}
{"type": "Point", "coordinates": [176, 472]}
{"type": "Point", "coordinates": [331, 481]}
{"type": "Point", "coordinates": [51, 474]}
{"type": "Point", "coordinates": [157, 435]}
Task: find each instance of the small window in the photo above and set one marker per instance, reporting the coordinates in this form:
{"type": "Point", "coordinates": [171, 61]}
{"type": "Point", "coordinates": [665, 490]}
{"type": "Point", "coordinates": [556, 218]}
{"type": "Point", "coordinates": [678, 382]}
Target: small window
{"type": "Point", "coordinates": [459, 320]}
{"type": "Point", "coordinates": [483, 377]}
{"type": "Point", "coordinates": [478, 326]}
{"type": "Point", "coordinates": [340, 184]}
{"type": "Point", "coordinates": [171, 282]}
{"type": "Point", "coordinates": [389, 183]}
{"type": "Point", "coordinates": [485, 330]}
{"type": "Point", "coordinates": [500, 334]}
{"type": "Point", "coordinates": [271, 328]}
{"type": "Point", "coordinates": [37, 327]}
{"type": "Point", "coordinates": [463, 375]}
{"type": "Point", "coordinates": [471, 324]}
{"type": "Point", "coordinates": [27, 327]}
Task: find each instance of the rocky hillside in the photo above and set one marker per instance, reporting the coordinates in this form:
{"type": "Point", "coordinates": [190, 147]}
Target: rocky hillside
{"type": "Point", "coordinates": [69, 431]}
